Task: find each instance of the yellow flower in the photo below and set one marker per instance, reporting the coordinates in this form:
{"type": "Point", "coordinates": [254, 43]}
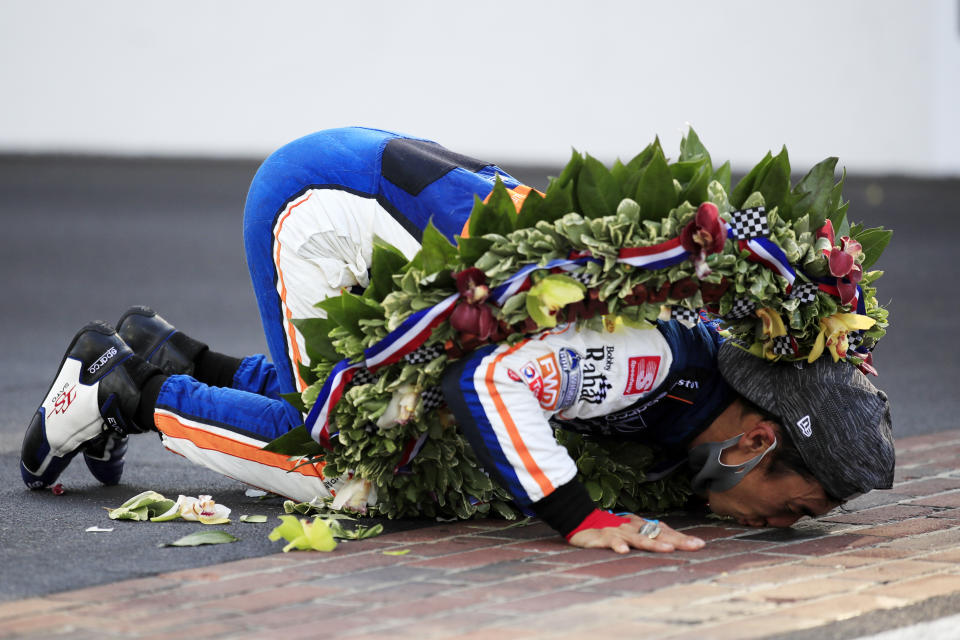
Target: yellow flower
{"type": "Point", "coordinates": [833, 334]}
{"type": "Point", "coordinates": [304, 535]}
{"type": "Point", "coordinates": [772, 328]}
{"type": "Point", "coordinates": [546, 298]}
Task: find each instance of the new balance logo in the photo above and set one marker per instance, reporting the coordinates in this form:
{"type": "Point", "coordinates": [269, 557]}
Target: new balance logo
{"type": "Point", "coordinates": [102, 360]}
{"type": "Point", "coordinates": [805, 426]}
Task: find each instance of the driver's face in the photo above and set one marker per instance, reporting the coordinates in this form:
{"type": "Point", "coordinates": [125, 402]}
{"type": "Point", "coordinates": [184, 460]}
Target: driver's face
{"type": "Point", "coordinates": [763, 500]}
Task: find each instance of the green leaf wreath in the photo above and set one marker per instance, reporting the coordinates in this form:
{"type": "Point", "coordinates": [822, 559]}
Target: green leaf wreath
{"type": "Point", "coordinates": [589, 210]}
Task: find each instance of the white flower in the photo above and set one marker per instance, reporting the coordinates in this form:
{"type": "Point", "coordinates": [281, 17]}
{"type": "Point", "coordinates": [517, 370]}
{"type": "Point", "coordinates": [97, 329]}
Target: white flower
{"type": "Point", "coordinates": [202, 509]}
{"type": "Point", "coordinates": [401, 407]}
{"type": "Point", "coordinates": [356, 495]}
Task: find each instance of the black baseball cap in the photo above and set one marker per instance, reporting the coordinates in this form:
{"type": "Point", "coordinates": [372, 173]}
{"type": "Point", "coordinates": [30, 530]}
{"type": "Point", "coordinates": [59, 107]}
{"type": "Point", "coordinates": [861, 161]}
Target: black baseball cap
{"type": "Point", "coordinates": [838, 420]}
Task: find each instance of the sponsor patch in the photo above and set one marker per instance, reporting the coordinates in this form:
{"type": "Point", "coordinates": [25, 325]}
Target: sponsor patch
{"type": "Point", "coordinates": [569, 361]}
{"type": "Point", "coordinates": [641, 374]}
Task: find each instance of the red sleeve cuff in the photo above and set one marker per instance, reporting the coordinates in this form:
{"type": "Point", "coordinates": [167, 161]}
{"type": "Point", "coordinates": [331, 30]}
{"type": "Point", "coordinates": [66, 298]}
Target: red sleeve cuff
{"type": "Point", "coordinates": [598, 520]}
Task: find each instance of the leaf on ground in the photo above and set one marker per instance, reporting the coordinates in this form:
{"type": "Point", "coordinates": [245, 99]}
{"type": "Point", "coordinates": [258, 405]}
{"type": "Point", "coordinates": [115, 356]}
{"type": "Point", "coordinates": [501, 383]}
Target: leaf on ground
{"type": "Point", "coordinates": [253, 518]}
{"type": "Point", "coordinates": [202, 537]}
{"type": "Point", "coordinates": [398, 552]}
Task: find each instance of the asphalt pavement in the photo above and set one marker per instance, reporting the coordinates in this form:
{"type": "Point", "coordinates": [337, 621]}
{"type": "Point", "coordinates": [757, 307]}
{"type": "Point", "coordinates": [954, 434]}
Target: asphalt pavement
{"type": "Point", "coordinates": [85, 238]}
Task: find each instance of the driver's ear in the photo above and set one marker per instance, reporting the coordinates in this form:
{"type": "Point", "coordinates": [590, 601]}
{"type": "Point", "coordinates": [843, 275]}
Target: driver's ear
{"type": "Point", "coordinates": [760, 434]}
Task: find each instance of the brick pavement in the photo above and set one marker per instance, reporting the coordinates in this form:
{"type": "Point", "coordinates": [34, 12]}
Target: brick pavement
{"type": "Point", "coordinates": [493, 579]}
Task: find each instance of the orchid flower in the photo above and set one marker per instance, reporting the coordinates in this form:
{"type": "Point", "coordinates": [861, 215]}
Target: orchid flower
{"type": "Point", "coordinates": [400, 409]}
{"type": "Point", "coordinates": [833, 334]}
{"type": "Point", "coordinates": [202, 509]}
{"type": "Point", "coordinates": [772, 327]}
{"type": "Point", "coordinates": [547, 297]}
{"type": "Point", "coordinates": [845, 266]}
{"type": "Point", "coordinates": [703, 235]}
{"type": "Point", "coordinates": [356, 495]}
{"type": "Point", "coordinates": [304, 535]}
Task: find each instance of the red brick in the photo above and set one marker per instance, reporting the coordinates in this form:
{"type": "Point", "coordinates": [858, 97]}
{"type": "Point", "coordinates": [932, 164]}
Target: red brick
{"type": "Point", "coordinates": [449, 546]}
{"type": "Point", "coordinates": [879, 514]}
{"type": "Point", "coordinates": [951, 499]}
{"type": "Point", "coordinates": [579, 556]}
{"type": "Point", "coordinates": [929, 541]}
{"type": "Point", "coordinates": [555, 545]}
{"type": "Point", "coordinates": [470, 559]}
{"type": "Point", "coordinates": [497, 572]}
{"type": "Point", "coordinates": [338, 565]}
{"type": "Point", "coordinates": [642, 583]}
{"type": "Point", "coordinates": [729, 547]}
{"type": "Point", "coordinates": [929, 487]}
{"type": "Point", "coordinates": [708, 533]}
{"type": "Point", "coordinates": [910, 527]}
{"type": "Point", "coordinates": [828, 544]}
{"type": "Point", "coordinates": [535, 529]}
{"type": "Point", "coordinates": [233, 585]}
{"type": "Point", "coordinates": [419, 608]}
{"type": "Point", "coordinates": [401, 592]}
{"type": "Point", "coordinates": [269, 599]}
{"type": "Point", "coordinates": [942, 438]}
{"type": "Point", "coordinates": [285, 616]}
{"type": "Point", "coordinates": [624, 566]}
{"type": "Point", "coordinates": [950, 514]}
{"type": "Point", "coordinates": [522, 587]}
{"type": "Point", "coordinates": [948, 452]}
{"type": "Point", "coordinates": [126, 588]}
{"type": "Point", "coordinates": [729, 564]}
{"type": "Point", "coordinates": [549, 602]}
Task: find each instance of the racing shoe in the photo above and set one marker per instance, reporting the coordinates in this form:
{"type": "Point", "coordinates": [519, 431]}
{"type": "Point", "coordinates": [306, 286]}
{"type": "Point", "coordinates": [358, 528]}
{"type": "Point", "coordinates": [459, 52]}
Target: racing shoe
{"type": "Point", "coordinates": [157, 341]}
{"type": "Point", "coordinates": [94, 394]}
{"type": "Point", "coordinates": [104, 457]}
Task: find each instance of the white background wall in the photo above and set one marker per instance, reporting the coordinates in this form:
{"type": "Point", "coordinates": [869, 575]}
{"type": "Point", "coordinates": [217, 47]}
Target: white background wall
{"type": "Point", "coordinates": [876, 82]}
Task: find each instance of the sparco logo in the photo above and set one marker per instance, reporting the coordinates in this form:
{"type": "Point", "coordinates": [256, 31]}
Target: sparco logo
{"type": "Point", "coordinates": [102, 360]}
{"type": "Point", "coordinates": [805, 427]}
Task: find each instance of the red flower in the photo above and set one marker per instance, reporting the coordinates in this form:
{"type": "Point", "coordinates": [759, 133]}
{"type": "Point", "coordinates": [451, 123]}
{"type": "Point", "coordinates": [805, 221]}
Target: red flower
{"type": "Point", "coordinates": [713, 291]}
{"type": "Point", "coordinates": [867, 365]}
{"type": "Point", "coordinates": [660, 295]}
{"type": "Point", "coordinates": [826, 231]}
{"type": "Point", "coordinates": [844, 266]}
{"type": "Point", "coordinates": [474, 319]}
{"type": "Point", "coordinates": [705, 234]}
{"type": "Point", "coordinates": [683, 289]}
{"type": "Point", "coordinates": [472, 285]}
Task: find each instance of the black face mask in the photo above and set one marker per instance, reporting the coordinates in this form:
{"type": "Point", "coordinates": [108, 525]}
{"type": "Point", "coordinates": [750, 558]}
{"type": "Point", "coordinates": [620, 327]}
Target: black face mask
{"type": "Point", "coordinates": [714, 475]}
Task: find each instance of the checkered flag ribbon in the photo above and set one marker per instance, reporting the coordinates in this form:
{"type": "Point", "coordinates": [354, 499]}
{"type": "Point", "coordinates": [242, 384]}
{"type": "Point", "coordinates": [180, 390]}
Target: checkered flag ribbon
{"type": "Point", "coordinates": [742, 308]}
{"type": "Point", "coordinates": [854, 338]}
{"type": "Point", "coordinates": [363, 376]}
{"type": "Point", "coordinates": [783, 346]}
{"type": "Point", "coordinates": [424, 354]}
{"type": "Point", "coordinates": [805, 291]}
{"type": "Point", "coordinates": [747, 224]}
{"type": "Point", "coordinates": [581, 276]}
{"type": "Point", "coordinates": [432, 398]}
{"type": "Point", "coordinates": [686, 317]}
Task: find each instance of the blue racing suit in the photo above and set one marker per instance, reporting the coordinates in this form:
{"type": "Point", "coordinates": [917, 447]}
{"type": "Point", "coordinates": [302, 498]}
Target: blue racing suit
{"type": "Point", "coordinates": [312, 212]}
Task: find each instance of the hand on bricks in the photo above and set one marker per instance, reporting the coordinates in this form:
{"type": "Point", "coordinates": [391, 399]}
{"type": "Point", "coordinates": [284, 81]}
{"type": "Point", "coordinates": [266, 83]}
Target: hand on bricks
{"type": "Point", "coordinates": [622, 538]}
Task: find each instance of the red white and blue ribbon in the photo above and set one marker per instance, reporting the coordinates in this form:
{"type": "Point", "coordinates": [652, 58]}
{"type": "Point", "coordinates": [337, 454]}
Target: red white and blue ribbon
{"type": "Point", "coordinates": [515, 283]}
{"type": "Point", "coordinates": [767, 253]}
{"type": "Point", "coordinates": [318, 420]}
{"type": "Point", "coordinates": [659, 256]}
{"type": "Point", "coordinates": [411, 333]}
